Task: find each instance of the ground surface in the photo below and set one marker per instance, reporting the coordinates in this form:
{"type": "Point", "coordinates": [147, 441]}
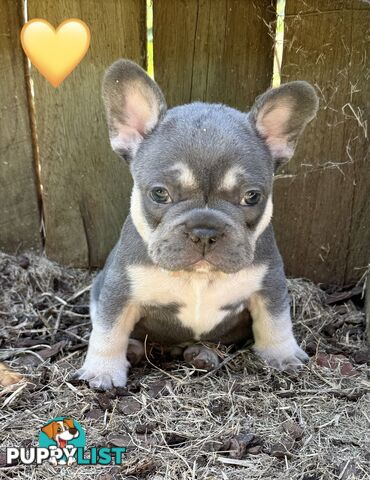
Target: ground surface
{"type": "Point", "coordinates": [244, 421]}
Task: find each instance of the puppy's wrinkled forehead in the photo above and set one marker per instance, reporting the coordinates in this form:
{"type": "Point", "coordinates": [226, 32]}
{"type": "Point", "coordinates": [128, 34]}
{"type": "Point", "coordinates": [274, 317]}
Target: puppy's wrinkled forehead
{"type": "Point", "coordinates": [203, 147]}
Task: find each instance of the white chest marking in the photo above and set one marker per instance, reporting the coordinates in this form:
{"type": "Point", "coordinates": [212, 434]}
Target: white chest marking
{"type": "Point", "coordinates": [200, 295]}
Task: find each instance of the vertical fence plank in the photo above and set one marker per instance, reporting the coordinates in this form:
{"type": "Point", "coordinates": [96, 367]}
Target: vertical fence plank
{"type": "Point", "coordinates": [357, 135]}
{"type": "Point", "coordinates": [86, 186]}
{"type": "Point", "coordinates": [19, 212]}
{"type": "Point", "coordinates": [322, 213]}
{"type": "Point", "coordinates": [213, 50]}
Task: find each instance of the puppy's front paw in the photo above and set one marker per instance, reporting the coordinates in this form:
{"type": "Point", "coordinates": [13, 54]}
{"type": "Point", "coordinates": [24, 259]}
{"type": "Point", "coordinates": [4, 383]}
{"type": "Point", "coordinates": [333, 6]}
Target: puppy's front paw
{"type": "Point", "coordinates": [104, 374]}
{"type": "Point", "coordinates": [285, 355]}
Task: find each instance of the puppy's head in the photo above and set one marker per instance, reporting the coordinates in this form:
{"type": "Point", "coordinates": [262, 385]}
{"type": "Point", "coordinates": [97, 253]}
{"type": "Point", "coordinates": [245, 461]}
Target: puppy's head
{"type": "Point", "coordinates": [61, 430]}
{"type": "Point", "coordinates": [202, 172]}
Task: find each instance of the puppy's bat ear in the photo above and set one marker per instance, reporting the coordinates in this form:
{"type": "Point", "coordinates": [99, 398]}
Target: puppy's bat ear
{"type": "Point", "coordinates": [280, 116]}
{"type": "Point", "coordinates": [134, 105]}
{"type": "Point", "coordinates": [49, 429]}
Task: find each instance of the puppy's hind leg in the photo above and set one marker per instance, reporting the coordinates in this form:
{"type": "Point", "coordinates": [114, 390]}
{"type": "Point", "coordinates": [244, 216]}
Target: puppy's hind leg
{"type": "Point", "coordinates": [135, 351]}
{"type": "Point", "coordinates": [201, 357]}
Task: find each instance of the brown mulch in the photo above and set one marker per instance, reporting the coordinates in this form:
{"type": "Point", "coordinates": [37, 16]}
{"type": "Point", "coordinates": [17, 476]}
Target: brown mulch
{"type": "Point", "coordinates": [244, 421]}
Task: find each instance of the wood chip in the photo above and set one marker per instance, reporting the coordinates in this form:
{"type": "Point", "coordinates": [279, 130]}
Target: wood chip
{"type": "Point", "coordinates": [362, 356]}
{"type": "Point", "coordinates": [8, 376]}
{"type": "Point", "coordinates": [104, 400]}
{"type": "Point", "coordinates": [175, 440]}
{"type": "Point", "coordinates": [145, 428]}
{"type": "Point", "coordinates": [294, 430]}
{"type": "Point", "coordinates": [119, 439]}
{"type": "Point", "coordinates": [336, 361]}
{"type": "Point", "coordinates": [157, 389]}
{"type": "Point", "coordinates": [95, 414]}
{"type": "Point", "coordinates": [255, 450]}
{"type": "Point", "coordinates": [129, 406]}
{"type": "Point", "coordinates": [239, 445]}
{"type": "Point", "coordinates": [280, 450]}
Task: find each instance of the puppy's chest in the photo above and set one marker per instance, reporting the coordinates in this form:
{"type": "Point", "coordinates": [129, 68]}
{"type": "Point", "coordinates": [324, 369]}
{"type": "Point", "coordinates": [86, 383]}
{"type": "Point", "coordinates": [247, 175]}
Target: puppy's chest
{"type": "Point", "coordinates": [203, 299]}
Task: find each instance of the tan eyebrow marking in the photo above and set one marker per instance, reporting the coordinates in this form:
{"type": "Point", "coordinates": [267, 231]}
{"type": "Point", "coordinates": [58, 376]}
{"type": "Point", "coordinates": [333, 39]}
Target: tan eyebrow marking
{"type": "Point", "coordinates": [186, 176]}
{"type": "Point", "coordinates": [231, 178]}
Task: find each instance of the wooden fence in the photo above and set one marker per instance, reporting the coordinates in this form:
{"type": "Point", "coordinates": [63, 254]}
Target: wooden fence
{"type": "Point", "coordinates": [55, 158]}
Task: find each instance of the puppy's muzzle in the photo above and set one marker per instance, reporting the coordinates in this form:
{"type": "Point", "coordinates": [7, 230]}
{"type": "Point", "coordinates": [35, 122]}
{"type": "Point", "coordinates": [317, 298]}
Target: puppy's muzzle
{"type": "Point", "coordinates": [204, 229]}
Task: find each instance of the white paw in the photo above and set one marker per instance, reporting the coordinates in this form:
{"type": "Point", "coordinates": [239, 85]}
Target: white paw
{"type": "Point", "coordinates": [103, 373]}
{"type": "Point", "coordinates": [285, 355]}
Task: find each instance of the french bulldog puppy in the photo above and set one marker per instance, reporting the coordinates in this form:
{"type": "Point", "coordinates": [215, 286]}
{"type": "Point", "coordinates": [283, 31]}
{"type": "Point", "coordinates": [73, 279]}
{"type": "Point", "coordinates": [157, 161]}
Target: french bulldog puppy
{"type": "Point", "coordinates": [197, 254]}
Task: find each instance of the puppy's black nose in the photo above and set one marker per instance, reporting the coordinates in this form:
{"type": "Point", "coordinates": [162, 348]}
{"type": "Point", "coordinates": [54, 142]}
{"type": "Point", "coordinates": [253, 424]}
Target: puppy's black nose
{"type": "Point", "coordinates": [204, 228]}
{"type": "Point", "coordinates": [73, 431]}
{"type": "Point", "coordinates": [204, 237]}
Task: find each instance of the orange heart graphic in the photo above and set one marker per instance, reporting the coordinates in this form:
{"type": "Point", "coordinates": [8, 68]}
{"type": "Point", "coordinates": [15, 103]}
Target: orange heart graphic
{"type": "Point", "coordinates": [55, 52]}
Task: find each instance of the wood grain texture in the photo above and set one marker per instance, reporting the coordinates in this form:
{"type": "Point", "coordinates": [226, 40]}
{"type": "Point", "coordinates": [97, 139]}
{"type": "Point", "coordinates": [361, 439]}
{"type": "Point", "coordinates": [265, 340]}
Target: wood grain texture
{"type": "Point", "coordinates": [367, 308]}
{"type": "Point", "coordinates": [86, 186]}
{"type": "Point", "coordinates": [19, 212]}
{"type": "Point", "coordinates": [213, 50]}
{"type": "Point", "coordinates": [322, 209]}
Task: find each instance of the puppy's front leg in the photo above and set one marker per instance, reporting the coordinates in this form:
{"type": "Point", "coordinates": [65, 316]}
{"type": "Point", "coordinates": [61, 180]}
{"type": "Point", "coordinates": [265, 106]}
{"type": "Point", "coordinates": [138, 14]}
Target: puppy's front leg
{"type": "Point", "coordinates": [273, 335]}
{"type": "Point", "coordinates": [106, 363]}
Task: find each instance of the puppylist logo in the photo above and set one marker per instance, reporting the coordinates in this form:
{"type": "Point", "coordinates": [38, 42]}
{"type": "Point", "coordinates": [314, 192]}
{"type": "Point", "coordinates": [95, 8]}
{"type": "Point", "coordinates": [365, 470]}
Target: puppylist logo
{"type": "Point", "coordinates": [62, 441]}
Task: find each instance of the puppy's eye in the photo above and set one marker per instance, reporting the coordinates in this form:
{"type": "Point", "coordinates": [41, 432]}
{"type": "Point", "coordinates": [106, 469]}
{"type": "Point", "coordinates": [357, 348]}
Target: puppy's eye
{"type": "Point", "coordinates": [251, 198]}
{"type": "Point", "coordinates": [160, 195]}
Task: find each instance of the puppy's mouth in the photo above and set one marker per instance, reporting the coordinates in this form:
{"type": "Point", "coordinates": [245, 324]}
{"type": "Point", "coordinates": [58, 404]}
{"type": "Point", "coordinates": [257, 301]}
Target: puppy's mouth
{"type": "Point", "coordinates": [201, 266]}
{"type": "Point", "coordinates": [62, 443]}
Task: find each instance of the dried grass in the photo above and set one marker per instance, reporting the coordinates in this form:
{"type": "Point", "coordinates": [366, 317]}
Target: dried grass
{"type": "Point", "coordinates": [179, 423]}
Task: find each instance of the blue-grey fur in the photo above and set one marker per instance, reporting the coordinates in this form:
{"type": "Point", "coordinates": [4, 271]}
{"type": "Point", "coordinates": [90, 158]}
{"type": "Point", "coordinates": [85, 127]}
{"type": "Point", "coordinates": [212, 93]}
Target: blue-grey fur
{"type": "Point", "coordinates": [210, 139]}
